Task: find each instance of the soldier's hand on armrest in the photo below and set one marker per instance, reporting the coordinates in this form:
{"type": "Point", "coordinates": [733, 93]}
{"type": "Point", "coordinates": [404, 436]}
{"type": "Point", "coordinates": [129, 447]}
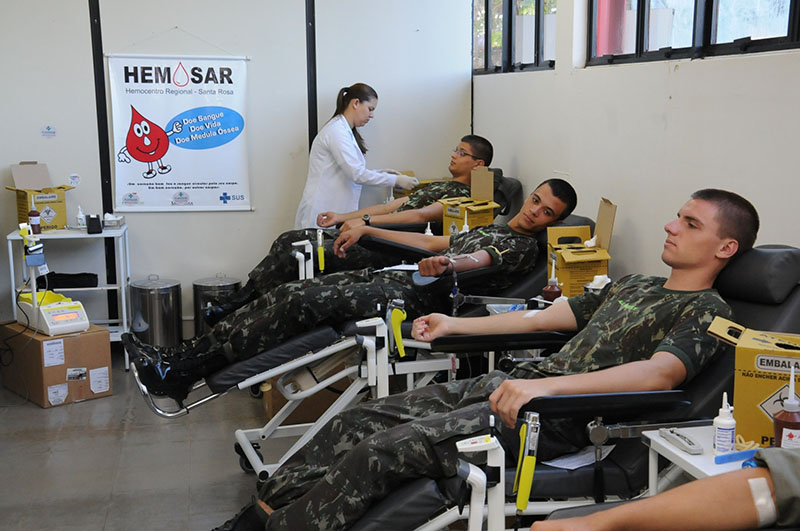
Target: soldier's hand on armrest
{"type": "Point", "coordinates": [434, 266]}
{"type": "Point", "coordinates": [429, 327]}
{"type": "Point", "coordinates": [329, 219]}
{"type": "Point", "coordinates": [507, 399]}
{"type": "Point", "coordinates": [346, 240]}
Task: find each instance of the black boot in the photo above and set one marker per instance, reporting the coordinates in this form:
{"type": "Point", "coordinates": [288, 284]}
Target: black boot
{"type": "Point", "coordinates": [224, 306]}
{"type": "Point", "coordinates": [251, 517]}
{"type": "Point", "coordinates": [175, 376]}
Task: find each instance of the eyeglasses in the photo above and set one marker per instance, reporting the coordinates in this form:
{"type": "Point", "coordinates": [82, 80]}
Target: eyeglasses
{"type": "Point", "coordinates": [462, 153]}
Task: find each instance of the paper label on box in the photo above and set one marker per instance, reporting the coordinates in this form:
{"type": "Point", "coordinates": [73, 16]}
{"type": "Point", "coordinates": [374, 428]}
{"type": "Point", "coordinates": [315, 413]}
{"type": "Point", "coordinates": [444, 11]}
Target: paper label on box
{"type": "Point", "coordinates": [98, 380]}
{"type": "Point", "coordinates": [48, 214]}
{"type": "Point", "coordinates": [56, 394]}
{"type": "Point", "coordinates": [453, 211]}
{"type": "Point", "coordinates": [76, 373]}
{"type": "Point", "coordinates": [53, 352]}
{"type": "Point", "coordinates": [774, 402]}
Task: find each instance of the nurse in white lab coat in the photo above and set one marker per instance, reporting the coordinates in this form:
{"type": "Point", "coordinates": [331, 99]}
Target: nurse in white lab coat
{"type": "Point", "coordinates": [336, 165]}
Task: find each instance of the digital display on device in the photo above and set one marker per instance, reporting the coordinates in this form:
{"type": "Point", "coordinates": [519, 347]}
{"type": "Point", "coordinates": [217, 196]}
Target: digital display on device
{"type": "Point", "coordinates": [65, 316]}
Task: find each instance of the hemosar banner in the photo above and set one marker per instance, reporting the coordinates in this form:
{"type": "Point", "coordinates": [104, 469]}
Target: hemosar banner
{"type": "Point", "coordinates": [179, 133]}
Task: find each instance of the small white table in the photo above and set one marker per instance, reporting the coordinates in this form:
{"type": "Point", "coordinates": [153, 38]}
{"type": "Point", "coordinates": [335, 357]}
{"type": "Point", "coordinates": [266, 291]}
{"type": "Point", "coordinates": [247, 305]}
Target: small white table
{"type": "Point", "coordinates": [698, 466]}
{"type": "Point", "coordinates": [117, 326]}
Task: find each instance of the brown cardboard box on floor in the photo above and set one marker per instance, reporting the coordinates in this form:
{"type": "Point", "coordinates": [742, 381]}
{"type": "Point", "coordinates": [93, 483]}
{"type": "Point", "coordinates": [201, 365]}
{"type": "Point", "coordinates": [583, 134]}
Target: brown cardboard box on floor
{"type": "Point", "coordinates": [55, 370]}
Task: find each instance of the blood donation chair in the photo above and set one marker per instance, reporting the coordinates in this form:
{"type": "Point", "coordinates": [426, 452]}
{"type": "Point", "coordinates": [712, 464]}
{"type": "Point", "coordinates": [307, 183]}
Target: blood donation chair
{"type": "Point", "coordinates": [762, 288]}
{"type": "Point", "coordinates": [311, 361]}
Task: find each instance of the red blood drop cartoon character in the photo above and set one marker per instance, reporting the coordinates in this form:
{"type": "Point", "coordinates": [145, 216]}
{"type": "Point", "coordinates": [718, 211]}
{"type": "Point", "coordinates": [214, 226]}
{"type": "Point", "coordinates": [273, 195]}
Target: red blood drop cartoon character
{"type": "Point", "coordinates": [147, 142]}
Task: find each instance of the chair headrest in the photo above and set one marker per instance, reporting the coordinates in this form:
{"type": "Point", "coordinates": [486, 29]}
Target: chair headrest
{"type": "Point", "coordinates": [573, 220]}
{"type": "Point", "coordinates": [764, 275]}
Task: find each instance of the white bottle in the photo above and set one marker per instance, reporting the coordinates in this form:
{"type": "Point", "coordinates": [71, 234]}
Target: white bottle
{"type": "Point", "coordinates": [724, 429]}
{"type": "Point", "coordinates": [465, 226]}
{"type": "Point", "coordinates": [80, 217]}
{"type": "Point", "coordinates": [428, 231]}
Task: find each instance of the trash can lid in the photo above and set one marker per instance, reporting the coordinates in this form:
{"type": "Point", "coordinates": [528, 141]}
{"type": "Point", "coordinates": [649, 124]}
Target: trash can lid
{"type": "Point", "coordinates": [153, 282]}
{"type": "Point", "coordinates": [218, 280]}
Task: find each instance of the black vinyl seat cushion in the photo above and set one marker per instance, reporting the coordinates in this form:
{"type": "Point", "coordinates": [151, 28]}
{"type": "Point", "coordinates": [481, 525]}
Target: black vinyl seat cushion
{"type": "Point", "coordinates": [300, 345]}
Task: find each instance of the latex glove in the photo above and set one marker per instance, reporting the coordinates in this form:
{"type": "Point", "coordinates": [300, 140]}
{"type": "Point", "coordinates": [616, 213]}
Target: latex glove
{"type": "Point", "coordinates": [405, 182]}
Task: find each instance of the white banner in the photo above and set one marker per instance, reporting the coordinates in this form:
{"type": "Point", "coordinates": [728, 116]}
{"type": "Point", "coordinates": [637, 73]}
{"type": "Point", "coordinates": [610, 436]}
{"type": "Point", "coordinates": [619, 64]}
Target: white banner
{"type": "Point", "coordinates": [179, 133]}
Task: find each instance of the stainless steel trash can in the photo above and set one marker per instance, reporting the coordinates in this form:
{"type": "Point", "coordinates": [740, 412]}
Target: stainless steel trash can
{"type": "Point", "coordinates": [156, 310]}
{"type": "Point", "coordinates": [206, 289]}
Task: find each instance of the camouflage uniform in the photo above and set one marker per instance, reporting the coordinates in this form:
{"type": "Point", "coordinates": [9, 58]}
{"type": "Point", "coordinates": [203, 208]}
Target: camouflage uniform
{"type": "Point", "coordinates": [279, 266]}
{"type": "Point", "coordinates": [298, 306]}
{"type": "Point", "coordinates": [367, 451]}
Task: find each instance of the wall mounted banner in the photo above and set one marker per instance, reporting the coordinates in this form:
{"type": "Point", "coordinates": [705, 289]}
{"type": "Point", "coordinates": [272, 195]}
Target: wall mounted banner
{"type": "Point", "coordinates": [179, 133]}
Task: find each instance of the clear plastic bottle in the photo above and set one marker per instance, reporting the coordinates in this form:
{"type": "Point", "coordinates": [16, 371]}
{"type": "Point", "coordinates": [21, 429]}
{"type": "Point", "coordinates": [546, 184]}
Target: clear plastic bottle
{"type": "Point", "coordinates": [787, 422]}
{"type": "Point", "coordinates": [724, 429]}
{"type": "Point", "coordinates": [34, 219]}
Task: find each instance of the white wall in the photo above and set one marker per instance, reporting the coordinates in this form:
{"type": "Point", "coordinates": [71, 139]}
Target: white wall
{"type": "Point", "coordinates": [414, 53]}
{"type": "Point", "coordinates": [647, 135]}
{"type": "Point", "coordinates": [47, 61]}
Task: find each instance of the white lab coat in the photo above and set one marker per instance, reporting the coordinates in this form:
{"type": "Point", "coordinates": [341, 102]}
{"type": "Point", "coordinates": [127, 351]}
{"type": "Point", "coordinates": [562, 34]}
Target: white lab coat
{"type": "Point", "coordinates": [336, 171]}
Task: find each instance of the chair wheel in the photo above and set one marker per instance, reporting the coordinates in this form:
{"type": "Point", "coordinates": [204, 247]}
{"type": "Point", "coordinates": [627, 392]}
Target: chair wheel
{"type": "Point", "coordinates": [255, 391]}
{"type": "Point", "coordinates": [238, 449]}
{"type": "Point", "coordinates": [245, 465]}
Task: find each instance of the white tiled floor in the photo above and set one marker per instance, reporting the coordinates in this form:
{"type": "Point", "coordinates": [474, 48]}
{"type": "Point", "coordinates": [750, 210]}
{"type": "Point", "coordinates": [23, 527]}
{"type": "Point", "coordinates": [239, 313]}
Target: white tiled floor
{"type": "Point", "coordinates": [111, 463]}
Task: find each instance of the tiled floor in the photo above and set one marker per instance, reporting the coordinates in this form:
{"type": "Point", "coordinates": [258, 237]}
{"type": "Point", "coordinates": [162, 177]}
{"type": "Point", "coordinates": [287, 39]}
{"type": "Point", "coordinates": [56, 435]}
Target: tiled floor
{"type": "Point", "coordinates": [112, 464]}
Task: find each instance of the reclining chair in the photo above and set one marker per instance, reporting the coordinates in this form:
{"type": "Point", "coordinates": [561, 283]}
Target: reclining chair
{"type": "Point", "coordinates": [762, 288]}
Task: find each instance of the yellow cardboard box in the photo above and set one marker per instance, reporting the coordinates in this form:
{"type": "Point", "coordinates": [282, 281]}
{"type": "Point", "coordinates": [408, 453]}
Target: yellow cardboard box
{"type": "Point", "coordinates": [478, 209]}
{"type": "Point", "coordinates": [761, 380]}
{"type": "Point", "coordinates": [31, 179]}
{"type": "Point", "coordinates": [576, 264]}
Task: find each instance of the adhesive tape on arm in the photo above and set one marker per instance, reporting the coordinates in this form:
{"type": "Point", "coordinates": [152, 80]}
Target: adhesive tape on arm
{"type": "Point", "coordinates": [762, 497]}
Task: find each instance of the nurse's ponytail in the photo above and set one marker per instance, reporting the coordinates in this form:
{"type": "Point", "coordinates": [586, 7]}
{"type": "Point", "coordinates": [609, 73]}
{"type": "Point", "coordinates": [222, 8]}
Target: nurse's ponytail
{"type": "Point", "coordinates": [361, 92]}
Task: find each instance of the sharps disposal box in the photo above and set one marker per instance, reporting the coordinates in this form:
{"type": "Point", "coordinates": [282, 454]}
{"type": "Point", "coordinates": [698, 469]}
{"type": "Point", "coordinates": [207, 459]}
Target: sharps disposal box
{"type": "Point", "coordinates": [205, 290]}
{"type": "Point", "coordinates": [156, 310]}
{"type": "Point", "coordinates": [477, 210]}
{"type": "Point", "coordinates": [575, 264]}
{"type": "Point", "coordinates": [761, 380]}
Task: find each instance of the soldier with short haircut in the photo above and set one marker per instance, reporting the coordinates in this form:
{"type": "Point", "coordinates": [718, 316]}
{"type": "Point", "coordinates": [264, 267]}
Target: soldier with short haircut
{"type": "Point", "coordinates": [279, 265]}
{"type": "Point", "coordinates": [299, 306]}
{"type": "Point", "coordinates": [638, 334]}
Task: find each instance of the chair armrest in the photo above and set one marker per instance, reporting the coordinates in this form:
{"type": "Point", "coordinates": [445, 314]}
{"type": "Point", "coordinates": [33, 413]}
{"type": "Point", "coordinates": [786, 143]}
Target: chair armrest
{"type": "Point", "coordinates": [400, 250]}
{"type": "Point", "coordinates": [608, 404]}
{"type": "Point", "coordinates": [526, 340]}
{"type": "Point", "coordinates": [436, 227]}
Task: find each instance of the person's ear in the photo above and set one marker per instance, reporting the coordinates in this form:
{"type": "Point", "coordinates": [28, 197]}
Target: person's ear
{"type": "Point", "coordinates": [728, 248]}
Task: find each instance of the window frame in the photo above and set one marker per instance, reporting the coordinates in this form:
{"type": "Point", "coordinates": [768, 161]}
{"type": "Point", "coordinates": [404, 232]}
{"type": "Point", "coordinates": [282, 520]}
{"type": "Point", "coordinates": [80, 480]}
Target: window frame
{"type": "Point", "coordinates": [507, 46]}
{"type": "Point", "coordinates": [703, 28]}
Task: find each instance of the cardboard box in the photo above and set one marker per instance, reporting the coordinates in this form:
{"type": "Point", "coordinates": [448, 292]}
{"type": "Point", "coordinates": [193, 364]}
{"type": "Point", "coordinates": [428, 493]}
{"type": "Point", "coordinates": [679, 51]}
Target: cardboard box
{"type": "Point", "coordinates": [576, 264]}
{"type": "Point", "coordinates": [761, 379]}
{"type": "Point", "coordinates": [52, 371]}
{"type": "Point", "coordinates": [478, 209]}
{"type": "Point", "coordinates": [31, 179]}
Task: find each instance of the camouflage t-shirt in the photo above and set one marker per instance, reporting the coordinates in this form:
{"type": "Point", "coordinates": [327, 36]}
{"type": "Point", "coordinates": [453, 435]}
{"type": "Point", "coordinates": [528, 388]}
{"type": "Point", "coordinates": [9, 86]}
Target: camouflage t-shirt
{"type": "Point", "coordinates": [433, 192]}
{"type": "Point", "coordinates": [513, 252]}
{"type": "Point", "coordinates": [631, 320]}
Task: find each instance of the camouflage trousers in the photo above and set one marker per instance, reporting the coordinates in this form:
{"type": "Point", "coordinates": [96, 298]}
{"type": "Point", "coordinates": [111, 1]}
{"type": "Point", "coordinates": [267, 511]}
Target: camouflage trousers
{"type": "Point", "coordinates": [302, 305]}
{"type": "Point", "coordinates": [279, 265]}
{"type": "Point", "coordinates": [366, 452]}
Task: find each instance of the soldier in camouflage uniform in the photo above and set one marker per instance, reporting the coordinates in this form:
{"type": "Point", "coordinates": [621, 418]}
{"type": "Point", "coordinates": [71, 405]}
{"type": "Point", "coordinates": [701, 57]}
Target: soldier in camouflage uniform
{"type": "Point", "coordinates": [299, 306]}
{"type": "Point", "coordinates": [639, 333]}
{"type": "Point", "coordinates": [279, 265]}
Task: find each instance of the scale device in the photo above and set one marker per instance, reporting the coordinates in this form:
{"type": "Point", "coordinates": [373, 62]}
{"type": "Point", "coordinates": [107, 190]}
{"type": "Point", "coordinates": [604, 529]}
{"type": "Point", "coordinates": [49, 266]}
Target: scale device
{"type": "Point", "coordinates": [54, 315]}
